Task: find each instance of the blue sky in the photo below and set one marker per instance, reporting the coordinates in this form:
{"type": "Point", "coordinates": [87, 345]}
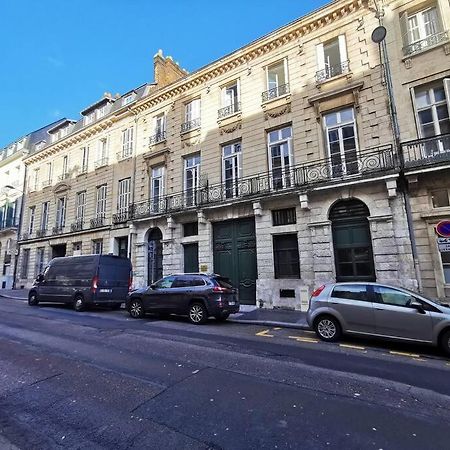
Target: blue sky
{"type": "Point", "coordinates": [56, 57]}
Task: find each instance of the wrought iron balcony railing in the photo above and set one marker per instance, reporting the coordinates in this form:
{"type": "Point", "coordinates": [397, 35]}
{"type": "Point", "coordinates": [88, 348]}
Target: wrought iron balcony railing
{"type": "Point", "coordinates": [429, 151]}
{"type": "Point", "coordinates": [83, 169]}
{"type": "Point", "coordinates": [191, 125]}
{"type": "Point", "coordinates": [158, 137]}
{"type": "Point", "coordinates": [77, 225]}
{"type": "Point", "coordinates": [229, 110]}
{"type": "Point", "coordinates": [98, 221]}
{"type": "Point", "coordinates": [328, 170]}
{"type": "Point", "coordinates": [8, 223]}
{"type": "Point", "coordinates": [57, 229]}
{"type": "Point", "coordinates": [332, 71]}
{"type": "Point", "coordinates": [63, 176]}
{"type": "Point", "coordinates": [101, 162]}
{"type": "Point", "coordinates": [120, 217]}
{"type": "Point", "coordinates": [429, 41]}
{"type": "Point", "coordinates": [124, 154]}
{"type": "Point", "coordinates": [275, 92]}
{"type": "Point", "coordinates": [46, 183]}
{"type": "Point", "coordinates": [41, 232]}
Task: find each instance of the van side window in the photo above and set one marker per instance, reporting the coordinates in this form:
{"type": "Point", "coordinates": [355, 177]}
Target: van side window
{"type": "Point", "coordinates": [351, 292]}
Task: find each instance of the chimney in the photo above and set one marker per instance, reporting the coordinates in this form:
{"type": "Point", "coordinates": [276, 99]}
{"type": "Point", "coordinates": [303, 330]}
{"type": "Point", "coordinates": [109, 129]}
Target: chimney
{"type": "Point", "coordinates": [166, 70]}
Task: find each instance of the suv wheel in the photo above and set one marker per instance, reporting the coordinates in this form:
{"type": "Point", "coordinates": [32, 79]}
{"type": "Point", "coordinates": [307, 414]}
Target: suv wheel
{"type": "Point", "coordinates": [327, 328]}
{"type": "Point", "coordinates": [33, 299]}
{"type": "Point", "coordinates": [445, 342]}
{"type": "Point", "coordinates": [79, 304]}
{"type": "Point", "coordinates": [136, 309]}
{"type": "Point", "coordinates": [198, 313]}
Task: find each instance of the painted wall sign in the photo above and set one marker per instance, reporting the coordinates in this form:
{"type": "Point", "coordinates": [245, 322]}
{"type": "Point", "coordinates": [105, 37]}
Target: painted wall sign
{"type": "Point", "coordinates": [443, 244]}
{"type": "Point", "coordinates": [443, 228]}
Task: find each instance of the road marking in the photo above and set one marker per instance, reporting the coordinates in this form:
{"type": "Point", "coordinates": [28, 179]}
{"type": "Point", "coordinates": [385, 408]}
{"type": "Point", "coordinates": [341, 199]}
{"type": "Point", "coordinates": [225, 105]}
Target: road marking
{"type": "Point", "coordinates": [264, 333]}
{"type": "Point", "coordinates": [304, 339]}
{"type": "Point", "coordinates": [309, 332]}
{"type": "Point", "coordinates": [412, 355]}
{"type": "Point", "coordinates": [356, 347]}
{"type": "Point", "coordinates": [277, 328]}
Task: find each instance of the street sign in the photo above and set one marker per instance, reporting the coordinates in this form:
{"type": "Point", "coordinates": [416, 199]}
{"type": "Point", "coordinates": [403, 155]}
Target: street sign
{"type": "Point", "coordinates": [443, 244]}
{"type": "Point", "coordinates": [443, 228]}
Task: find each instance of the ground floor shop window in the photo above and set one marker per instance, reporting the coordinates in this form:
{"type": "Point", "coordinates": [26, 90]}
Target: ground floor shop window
{"type": "Point", "coordinates": [285, 256]}
{"type": "Point", "coordinates": [445, 257]}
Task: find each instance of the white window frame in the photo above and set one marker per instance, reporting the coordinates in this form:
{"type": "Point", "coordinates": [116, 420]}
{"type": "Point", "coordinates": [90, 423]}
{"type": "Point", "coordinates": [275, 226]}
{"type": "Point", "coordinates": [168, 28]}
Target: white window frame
{"type": "Point", "coordinates": [124, 195]}
{"type": "Point", "coordinates": [102, 151]}
{"type": "Point", "coordinates": [65, 165]}
{"type": "Point", "coordinates": [283, 62]}
{"type": "Point", "coordinates": [61, 212]}
{"type": "Point", "coordinates": [36, 179]}
{"type": "Point", "coordinates": [191, 164]}
{"type": "Point", "coordinates": [84, 158]}
{"type": "Point", "coordinates": [160, 123]}
{"type": "Point", "coordinates": [286, 181]}
{"type": "Point", "coordinates": [127, 142]}
{"type": "Point", "coordinates": [45, 212]}
{"type": "Point", "coordinates": [322, 65]}
{"type": "Point", "coordinates": [31, 219]}
{"type": "Point", "coordinates": [128, 99]}
{"type": "Point", "coordinates": [157, 187]}
{"type": "Point", "coordinates": [100, 202]}
{"type": "Point", "coordinates": [192, 110]}
{"type": "Point", "coordinates": [97, 246]}
{"type": "Point", "coordinates": [231, 101]}
{"type": "Point", "coordinates": [235, 156]}
{"type": "Point", "coordinates": [80, 206]}
{"type": "Point", "coordinates": [49, 172]}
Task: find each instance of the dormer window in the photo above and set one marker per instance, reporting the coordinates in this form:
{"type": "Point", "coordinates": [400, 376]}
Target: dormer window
{"type": "Point", "coordinates": [128, 99]}
{"type": "Point", "coordinates": [89, 118]}
{"type": "Point", "coordinates": [101, 112]}
{"type": "Point", "coordinates": [40, 145]}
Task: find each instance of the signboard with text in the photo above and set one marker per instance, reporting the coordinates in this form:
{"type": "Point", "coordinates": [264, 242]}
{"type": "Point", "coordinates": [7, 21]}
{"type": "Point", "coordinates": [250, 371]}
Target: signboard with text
{"type": "Point", "coordinates": [443, 244]}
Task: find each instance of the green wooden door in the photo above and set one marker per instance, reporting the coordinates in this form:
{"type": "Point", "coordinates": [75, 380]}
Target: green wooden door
{"type": "Point", "coordinates": [235, 256]}
{"type": "Point", "coordinates": [190, 258]}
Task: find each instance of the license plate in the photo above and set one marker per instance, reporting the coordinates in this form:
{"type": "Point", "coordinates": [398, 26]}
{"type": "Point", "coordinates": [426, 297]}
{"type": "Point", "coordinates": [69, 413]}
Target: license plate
{"type": "Point", "coordinates": [231, 303]}
{"type": "Point", "coordinates": [105, 290]}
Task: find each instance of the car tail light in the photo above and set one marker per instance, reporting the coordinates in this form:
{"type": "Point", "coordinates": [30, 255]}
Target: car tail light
{"type": "Point", "coordinates": [219, 289]}
{"type": "Point", "coordinates": [317, 292]}
{"type": "Point", "coordinates": [94, 284]}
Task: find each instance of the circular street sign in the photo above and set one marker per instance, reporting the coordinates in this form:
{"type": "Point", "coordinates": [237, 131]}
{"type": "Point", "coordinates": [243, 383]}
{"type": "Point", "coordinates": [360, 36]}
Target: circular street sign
{"type": "Point", "coordinates": [443, 228]}
{"type": "Point", "coordinates": [378, 34]}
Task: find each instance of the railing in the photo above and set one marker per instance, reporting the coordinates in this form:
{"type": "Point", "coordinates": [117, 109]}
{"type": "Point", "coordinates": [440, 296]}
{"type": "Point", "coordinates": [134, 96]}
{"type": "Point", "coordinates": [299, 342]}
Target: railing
{"type": "Point", "coordinates": [332, 71]}
{"type": "Point", "coordinates": [98, 221]}
{"type": "Point", "coordinates": [275, 92]}
{"type": "Point", "coordinates": [101, 162]}
{"type": "Point", "coordinates": [328, 170]}
{"type": "Point", "coordinates": [77, 225]}
{"type": "Point", "coordinates": [83, 169]}
{"type": "Point", "coordinates": [120, 217]}
{"type": "Point", "coordinates": [57, 229]}
{"type": "Point", "coordinates": [429, 41]}
{"type": "Point", "coordinates": [41, 232]}
{"type": "Point", "coordinates": [8, 223]}
{"type": "Point", "coordinates": [63, 176]}
{"type": "Point", "coordinates": [46, 183]}
{"type": "Point", "coordinates": [160, 136]}
{"type": "Point", "coordinates": [229, 110]}
{"type": "Point", "coordinates": [191, 125]}
{"type": "Point", "coordinates": [427, 151]}
{"type": "Point", "coordinates": [124, 155]}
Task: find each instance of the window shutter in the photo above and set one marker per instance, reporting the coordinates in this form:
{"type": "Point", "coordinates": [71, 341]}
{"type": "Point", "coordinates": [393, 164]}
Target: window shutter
{"type": "Point", "coordinates": [342, 48]}
{"type": "Point", "coordinates": [447, 91]}
{"type": "Point", "coordinates": [439, 24]}
{"type": "Point", "coordinates": [404, 28]}
{"type": "Point", "coordinates": [320, 57]}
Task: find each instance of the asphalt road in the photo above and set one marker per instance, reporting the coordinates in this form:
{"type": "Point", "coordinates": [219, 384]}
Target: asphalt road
{"type": "Point", "coordinates": [99, 379]}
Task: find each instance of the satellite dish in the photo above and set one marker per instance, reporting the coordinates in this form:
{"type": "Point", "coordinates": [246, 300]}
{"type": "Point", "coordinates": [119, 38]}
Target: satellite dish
{"type": "Point", "coordinates": [378, 34]}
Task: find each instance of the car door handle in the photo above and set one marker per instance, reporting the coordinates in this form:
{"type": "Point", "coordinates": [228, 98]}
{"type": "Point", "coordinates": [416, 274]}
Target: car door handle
{"type": "Point", "coordinates": [379, 309]}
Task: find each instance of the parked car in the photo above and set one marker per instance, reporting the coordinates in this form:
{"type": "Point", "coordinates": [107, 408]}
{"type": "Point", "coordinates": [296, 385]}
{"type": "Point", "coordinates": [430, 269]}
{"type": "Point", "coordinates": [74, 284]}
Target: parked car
{"type": "Point", "coordinates": [83, 280]}
{"type": "Point", "coordinates": [198, 296]}
{"type": "Point", "coordinates": [373, 309]}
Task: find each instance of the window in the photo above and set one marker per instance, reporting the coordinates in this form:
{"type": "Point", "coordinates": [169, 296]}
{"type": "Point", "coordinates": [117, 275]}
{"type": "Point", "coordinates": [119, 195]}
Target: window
{"type": "Point", "coordinates": [123, 199]}
{"type": "Point", "coordinates": [102, 153]}
{"type": "Point", "coordinates": [77, 247]}
{"type": "Point", "coordinates": [191, 178]}
{"type": "Point", "coordinates": [160, 124]}
{"type": "Point", "coordinates": [230, 99]}
{"type": "Point", "coordinates": [231, 168]}
{"type": "Point", "coordinates": [284, 216]}
{"type": "Point", "coordinates": [97, 246]}
{"type": "Point", "coordinates": [80, 206]}
{"type": "Point", "coordinates": [101, 112]}
{"type": "Point", "coordinates": [89, 118]}
{"type": "Point", "coordinates": [100, 204]}
{"type": "Point", "coordinates": [285, 255]}
{"type": "Point", "coordinates": [280, 157]}
{"type": "Point", "coordinates": [351, 292]}
{"type": "Point", "coordinates": [65, 166]}
{"type": "Point", "coordinates": [157, 188]}
{"type": "Point", "coordinates": [191, 115]}
{"type": "Point", "coordinates": [40, 145]}
{"type": "Point", "coordinates": [36, 179]}
{"type": "Point", "coordinates": [49, 174]}
{"type": "Point", "coordinates": [25, 263]}
{"type": "Point", "coordinates": [127, 142]}
{"type": "Point", "coordinates": [190, 229]}
{"type": "Point", "coordinates": [390, 296]}
{"type": "Point", "coordinates": [40, 251]}
{"type": "Point", "coordinates": [44, 215]}
{"type": "Point", "coordinates": [331, 59]}
{"type": "Point", "coordinates": [340, 131]}
{"type": "Point", "coordinates": [421, 30]}
{"type": "Point", "coordinates": [84, 159]}
{"type": "Point", "coordinates": [445, 258]}
{"type": "Point", "coordinates": [440, 198]}
{"type": "Point", "coordinates": [128, 99]}
{"type": "Point", "coordinates": [61, 212]}
{"type": "Point", "coordinates": [165, 283]}
{"type": "Point", "coordinates": [31, 216]}
{"type": "Point", "coordinates": [277, 80]}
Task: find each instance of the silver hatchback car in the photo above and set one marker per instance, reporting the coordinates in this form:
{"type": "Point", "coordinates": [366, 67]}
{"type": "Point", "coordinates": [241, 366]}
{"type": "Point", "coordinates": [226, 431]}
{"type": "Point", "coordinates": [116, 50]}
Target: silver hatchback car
{"type": "Point", "coordinates": [373, 309]}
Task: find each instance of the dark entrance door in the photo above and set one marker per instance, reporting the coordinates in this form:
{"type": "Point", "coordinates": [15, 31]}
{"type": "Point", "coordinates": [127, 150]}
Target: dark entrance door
{"type": "Point", "coordinates": [190, 258]}
{"type": "Point", "coordinates": [155, 256]}
{"type": "Point", "coordinates": [122, 246]}
{"type": "Point", "coordinates": [58, 250]}
{"type": "Point", "coordinates": [235, 256]}
{"type": "Point", "coordinates": [352, 241]}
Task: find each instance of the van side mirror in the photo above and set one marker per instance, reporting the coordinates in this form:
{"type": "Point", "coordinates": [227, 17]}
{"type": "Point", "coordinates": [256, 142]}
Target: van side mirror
{"type": "Point", "coordinates": [418, 306]}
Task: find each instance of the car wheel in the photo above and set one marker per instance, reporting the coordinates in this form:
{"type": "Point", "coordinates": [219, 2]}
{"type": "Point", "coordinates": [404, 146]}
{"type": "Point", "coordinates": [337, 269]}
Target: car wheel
{"type": "Point", "coordinates": [445, 342]}
{"type": "Point", "coordinates": [33, 299]}
{"type": "Point", "coordinates": [222, 317]}
{"type": "Point", "coordinates": [327, 328]}
{"type": "Point", "coordinates": [79, 304]}
{"type": "Point", "coordinates": [197, 313]}
{"type": "Point", "coordinates": [136, 309]}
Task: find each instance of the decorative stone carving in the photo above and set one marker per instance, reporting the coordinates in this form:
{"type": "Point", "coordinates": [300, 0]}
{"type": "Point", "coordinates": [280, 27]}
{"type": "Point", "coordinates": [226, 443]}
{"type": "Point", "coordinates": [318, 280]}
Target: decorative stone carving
{"type": "Point", "coordinates": [231, 128]}
{"type": "Point", "coordinates": [408, 63]}
{"type": "Point", "coordinates": [277, 112]}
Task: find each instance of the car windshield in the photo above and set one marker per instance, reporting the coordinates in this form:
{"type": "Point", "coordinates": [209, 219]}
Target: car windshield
{"type": "Point", "coordinates": [223, 282]}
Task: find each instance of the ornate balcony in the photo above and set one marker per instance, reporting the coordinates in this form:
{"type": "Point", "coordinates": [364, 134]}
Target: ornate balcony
{"type": "Point", "coordinates": [229, 110]}
{"type": "Point", "coordinates": [57, 229]}
{"type": "Point", "coordinates": [41, 232]}
{"type": "Point", "coordinates": [77, 225]}
{"type": "Point", "coordinates": [98, 221]}
{"type": "Point", "coordinates": [120, 217]}
{"type": "Point", "coordinates": [101, 162]}
{"type": "Point", "coordinates": [423, 44]}
{"type": "Point", "coordinates": [332, 71]}
{"type": "Point", "coordinates": [158, 137]}
{"type": "Point", "coordinates": [63, 176]}
{"type": "Point", "coordinates": [275, 92]}
{"type": "Point", "coordinates": [426, 152]}
{"type": "Point", "coordinates": [334, 170]}
{"type": "Point", "coordinates": [191, 125]}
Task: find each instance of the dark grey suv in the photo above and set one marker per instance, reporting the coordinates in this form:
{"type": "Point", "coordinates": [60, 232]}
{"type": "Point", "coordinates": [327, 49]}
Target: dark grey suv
{"type": "Point", "coordinates": [198, 296]}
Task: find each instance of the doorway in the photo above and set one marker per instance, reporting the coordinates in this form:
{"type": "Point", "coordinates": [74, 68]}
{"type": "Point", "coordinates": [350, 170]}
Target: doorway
{"type": "Point", "coordinates": [154, 256]}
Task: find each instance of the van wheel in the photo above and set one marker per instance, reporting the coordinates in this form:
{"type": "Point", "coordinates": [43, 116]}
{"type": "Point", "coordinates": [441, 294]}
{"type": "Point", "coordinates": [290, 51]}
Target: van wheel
{"type": "Point", "coordinates": [197, 313]}
{"type": "Point", "coordinates": [136, 309]}
{"type": "Point", "coordinates": [445, 342]}
{"type": "Point", "coordinates": [33, 299]}
{"type": "Point", "coordinates": [79, 304]}
{"type": "Point", "coordinates": [327, 328]}
{"type": "Point", "coordinates": [222, 317]}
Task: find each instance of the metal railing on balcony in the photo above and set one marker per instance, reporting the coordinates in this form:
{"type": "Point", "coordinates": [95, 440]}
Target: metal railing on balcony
{"type": "Point", "coordinates": [83, 169]}
{"type": "Point", "coordinates": [46, 183]}
{"type": "Point", "coordinates": [101, 162]}
{"type": "Point", "coordinates": [354, 166]}
{"type": "Point", "coordinates": [275, 92]}
{"type": "Point", "coordinates": [41, 232]}
{"type": "Point", "coordinates": [77, 225]}
{"type": "Point", "coordinates": [57, 229]}
{"type": "Point", "coordinates": [423, 44]}
{"type": "Point", "coordinates": [98, 221]}
{"type": "Point", "coordinates": [158, 137]}
{"type": "Point", "coordinates": [124, 154]}
{"type": "Point", "coordinates": [63, 176]}
{"type": "Point", "coordinates": [424, 152]}
{"type": "Point", "coordinates": [229, 110]}
{"type": "Point", "coordinates": [8, 223]}
{"type": "Point", "coordinates": [332, 71]}
{"type": "Point", "coordinates": [120, 217]}
{"type": "Point", "coordinates": [191, 125]}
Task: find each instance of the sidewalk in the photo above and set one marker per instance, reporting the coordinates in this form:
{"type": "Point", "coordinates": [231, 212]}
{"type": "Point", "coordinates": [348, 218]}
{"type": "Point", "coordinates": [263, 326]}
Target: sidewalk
{"type": "Point", "coordinates": [20, 294]}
